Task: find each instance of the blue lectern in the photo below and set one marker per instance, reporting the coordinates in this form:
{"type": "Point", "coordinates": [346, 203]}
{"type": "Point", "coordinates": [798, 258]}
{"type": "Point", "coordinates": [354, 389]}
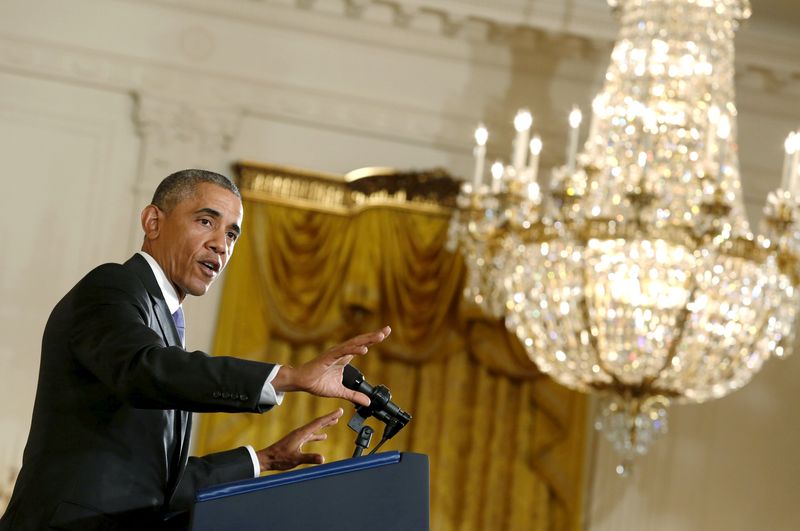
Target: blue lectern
{"type": "Point", "coordinates": [387, 491]}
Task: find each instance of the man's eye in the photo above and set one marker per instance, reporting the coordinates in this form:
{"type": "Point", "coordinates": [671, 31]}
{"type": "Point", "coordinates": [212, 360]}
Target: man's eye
{"type": "Point", "coordinates": [205, 221]}
{"type": "Point", "coordinates": [233, 236]}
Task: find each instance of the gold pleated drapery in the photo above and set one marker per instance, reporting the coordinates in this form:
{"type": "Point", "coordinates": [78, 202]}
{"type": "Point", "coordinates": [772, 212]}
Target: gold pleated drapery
{"type": "Point", "coordinates": [506, 445]}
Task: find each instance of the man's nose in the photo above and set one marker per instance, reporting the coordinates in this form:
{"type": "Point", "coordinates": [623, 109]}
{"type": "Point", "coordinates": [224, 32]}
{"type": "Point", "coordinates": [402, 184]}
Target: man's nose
{"type": "Point", "coordinates": [219, 243]}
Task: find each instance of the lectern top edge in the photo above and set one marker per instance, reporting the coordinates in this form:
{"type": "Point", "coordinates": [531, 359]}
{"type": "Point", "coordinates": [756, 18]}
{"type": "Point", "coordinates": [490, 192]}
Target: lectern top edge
{"type": "Point", "coordinates": [328, 469]}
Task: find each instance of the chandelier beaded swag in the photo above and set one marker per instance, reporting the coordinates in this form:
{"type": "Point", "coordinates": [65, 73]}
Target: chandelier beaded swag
{"type": "Point", "coordinates": [639, 278]}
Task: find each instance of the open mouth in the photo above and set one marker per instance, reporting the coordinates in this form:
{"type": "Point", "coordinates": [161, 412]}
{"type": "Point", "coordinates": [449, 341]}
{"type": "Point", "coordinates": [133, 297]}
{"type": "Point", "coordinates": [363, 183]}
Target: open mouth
{"type": "Point", "coordinates": [211, 267]}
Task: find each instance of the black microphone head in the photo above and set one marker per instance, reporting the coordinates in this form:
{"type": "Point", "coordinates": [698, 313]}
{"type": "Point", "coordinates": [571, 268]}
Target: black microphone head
{"type": "Point", "coordinates": [352, 378]}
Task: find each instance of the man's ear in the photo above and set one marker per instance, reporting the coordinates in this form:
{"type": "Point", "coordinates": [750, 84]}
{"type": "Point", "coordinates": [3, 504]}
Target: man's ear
{"type": "Point", "coordinates": [151, 221]}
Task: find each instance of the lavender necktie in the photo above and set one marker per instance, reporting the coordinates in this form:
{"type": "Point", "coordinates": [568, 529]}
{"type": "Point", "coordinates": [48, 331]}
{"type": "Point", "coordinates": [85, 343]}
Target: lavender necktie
{"type": "Point", "coordinates": [180, 324]}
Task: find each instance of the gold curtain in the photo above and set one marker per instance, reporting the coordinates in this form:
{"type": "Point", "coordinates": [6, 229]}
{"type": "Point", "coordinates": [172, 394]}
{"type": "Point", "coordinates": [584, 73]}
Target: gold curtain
{"type": "Point", "coordinates": [505, 443]}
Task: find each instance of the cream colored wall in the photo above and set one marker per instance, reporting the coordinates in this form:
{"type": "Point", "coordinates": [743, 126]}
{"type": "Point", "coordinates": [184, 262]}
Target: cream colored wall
{"type": "Point", "coordinates": [100, 99]}
{"type": "Point", "coordinates": [69, 157]}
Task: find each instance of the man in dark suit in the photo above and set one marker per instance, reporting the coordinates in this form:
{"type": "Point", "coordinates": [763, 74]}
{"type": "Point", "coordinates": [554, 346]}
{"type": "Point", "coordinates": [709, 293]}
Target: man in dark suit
{"type": "Point", "coordinates": [108, 446]}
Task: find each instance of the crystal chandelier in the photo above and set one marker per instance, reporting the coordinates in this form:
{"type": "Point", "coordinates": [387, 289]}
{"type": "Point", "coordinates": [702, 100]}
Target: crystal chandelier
{"type": "Point", "coordinates": [638, 278]}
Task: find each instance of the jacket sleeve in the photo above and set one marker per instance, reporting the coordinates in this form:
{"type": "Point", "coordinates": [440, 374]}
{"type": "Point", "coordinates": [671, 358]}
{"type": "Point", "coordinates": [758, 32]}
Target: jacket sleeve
{"type": "Point", "coordinates": [111, 337]}
{"type": "Point", "coordinates": [211, 469]}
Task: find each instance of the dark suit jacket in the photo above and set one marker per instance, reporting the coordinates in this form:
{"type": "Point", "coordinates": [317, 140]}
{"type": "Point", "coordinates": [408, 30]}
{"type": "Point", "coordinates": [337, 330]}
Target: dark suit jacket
{"type": "Point", "coordinates": [109, 436]}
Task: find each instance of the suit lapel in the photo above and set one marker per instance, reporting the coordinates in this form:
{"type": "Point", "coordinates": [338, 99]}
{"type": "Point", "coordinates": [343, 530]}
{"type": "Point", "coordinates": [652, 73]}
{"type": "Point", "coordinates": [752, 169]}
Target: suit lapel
{"type": "Point", "coordinates": [169, 332]}
{"type": "Point", "coordinates": [160, 310]}
{"type": "Point", "coordinates": [168, 329]}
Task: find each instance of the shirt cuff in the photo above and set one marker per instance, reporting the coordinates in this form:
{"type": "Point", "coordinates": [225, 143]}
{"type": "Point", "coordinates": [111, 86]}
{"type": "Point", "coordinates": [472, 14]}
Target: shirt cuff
{"type": "Point", "coordinates": [268, 395]}
{"type": "Point", "coordinates": [254, 457]}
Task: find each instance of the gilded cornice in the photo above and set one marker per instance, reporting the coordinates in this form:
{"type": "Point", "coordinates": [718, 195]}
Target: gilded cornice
{"type": "Point", "coordinates": [428, 191]}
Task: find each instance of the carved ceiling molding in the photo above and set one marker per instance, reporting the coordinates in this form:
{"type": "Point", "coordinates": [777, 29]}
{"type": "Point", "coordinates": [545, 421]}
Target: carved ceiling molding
{"type": "Point", "coordinates": [168, 122]}
{"type": "Point", "coordinates": [528, 24]}
{"type": "Point", "coordinates": [198, 87]}
{"type": "Point", "coordinates": [127, 74]}
{"type": "Point", "coordinates": [200, 90]}
{"type": "Point", "coordinates": [176, 133]}
{"type": "Point", "coordinates": [478, 21]}
{"type": "Point", "coordinates": [209, 92]}
{"type": "Point", "coordinates": [389, 24]}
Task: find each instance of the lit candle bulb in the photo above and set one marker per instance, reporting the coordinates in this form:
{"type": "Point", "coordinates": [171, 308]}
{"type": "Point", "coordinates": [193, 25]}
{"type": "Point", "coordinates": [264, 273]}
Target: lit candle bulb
{"type": "Point", "coordinates": [575, 118]}
{"type": "Point", "coordinates": [789, 146]}
{"type": "Point", "coordinates": [598, 109]}
{"type": "Point", "coordinates": [522, 123]}
{"type": "Point", "coordinates": [536, 149]}
{"type": "Point", "coordinates": [723, 132]}
{"type": "Point", "coordinates": [795, 171]}
{"type": "Point", "coordinates": [481, 136]}
{"type": "Point", "coordinates": [533, 191]}
{"type": "Point", "coordinates": [497, 176]}
{"type": "Point", "coordinates": [713, 120]}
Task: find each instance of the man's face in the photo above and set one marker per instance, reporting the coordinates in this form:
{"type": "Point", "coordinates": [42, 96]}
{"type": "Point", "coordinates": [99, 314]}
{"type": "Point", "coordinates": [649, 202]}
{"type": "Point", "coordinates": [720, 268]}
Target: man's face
{"type": "Point", "coordinates": [194, 241]}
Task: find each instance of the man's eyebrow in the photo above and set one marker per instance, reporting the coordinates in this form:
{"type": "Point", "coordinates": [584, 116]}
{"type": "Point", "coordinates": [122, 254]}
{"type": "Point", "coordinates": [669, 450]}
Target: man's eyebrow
{"type": "Point", "coordinates": [216, 214]}
{"type": "Point", "coordinates": [210, 211]}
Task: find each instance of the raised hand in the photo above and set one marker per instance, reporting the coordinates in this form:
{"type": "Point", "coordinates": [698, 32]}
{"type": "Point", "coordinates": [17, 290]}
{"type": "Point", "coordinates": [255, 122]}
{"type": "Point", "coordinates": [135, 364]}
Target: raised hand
{"type": "Point", "coordinates": [287, 453]}
{"type": "Point", "coordinates": [322, 376]}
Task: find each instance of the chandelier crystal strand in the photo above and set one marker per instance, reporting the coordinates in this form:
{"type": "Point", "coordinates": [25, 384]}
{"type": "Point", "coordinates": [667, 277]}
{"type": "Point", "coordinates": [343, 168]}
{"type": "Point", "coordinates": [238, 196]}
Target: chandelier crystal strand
{"type": "Point", "coordinates": [639, 279]}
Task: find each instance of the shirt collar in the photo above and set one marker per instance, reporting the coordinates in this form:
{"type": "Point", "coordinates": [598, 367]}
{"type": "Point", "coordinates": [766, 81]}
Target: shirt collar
{"type": "Point", "coordinates": [167, 290]}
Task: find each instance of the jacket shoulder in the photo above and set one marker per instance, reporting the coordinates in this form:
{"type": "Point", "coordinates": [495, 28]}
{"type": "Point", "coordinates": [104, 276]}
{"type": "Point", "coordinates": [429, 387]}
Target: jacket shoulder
{"type": "Point", "coordinates": [111, 278]}
{"type": "Point", "coordinates": [109, 271]}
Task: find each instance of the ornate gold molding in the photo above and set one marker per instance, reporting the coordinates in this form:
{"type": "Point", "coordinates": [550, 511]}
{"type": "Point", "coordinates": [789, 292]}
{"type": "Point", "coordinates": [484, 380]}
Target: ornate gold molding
{"type": "Point", "coordinates": [429, 191]}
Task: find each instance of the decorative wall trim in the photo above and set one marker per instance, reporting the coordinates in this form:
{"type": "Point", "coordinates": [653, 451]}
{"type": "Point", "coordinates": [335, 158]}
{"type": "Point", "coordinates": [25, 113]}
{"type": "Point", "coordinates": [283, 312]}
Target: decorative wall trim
{"type": "Point", "coordinates": [414, 125]}
{"type": "Point", "coordinates": [176, 131]}
{"type": "Point", "coordinates": [507, 22]}
{"type": "Point", "coordinates": [475, 21]}
{"type": "Point", "coordinates": [385, 118]}
{"type": "Point", "coordinates": [430, 191]}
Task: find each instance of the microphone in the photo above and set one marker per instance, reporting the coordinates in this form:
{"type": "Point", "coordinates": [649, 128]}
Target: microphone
{"type": "Point", "coordinates": [381, 406]}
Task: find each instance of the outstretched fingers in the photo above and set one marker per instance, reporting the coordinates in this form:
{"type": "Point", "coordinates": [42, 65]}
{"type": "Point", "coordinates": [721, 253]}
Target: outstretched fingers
{"type": "Point", "coordinates": [287, 453]}
{"type": "Point", "coordinates": [322, 376]}
{"type": "Point", "coordinates": [370, 338]}
{"type": "Point", "coordinates": [358, 345]}
{"type": "Point", "coordinates": [313, 428]}
{"type": "Point", "coordinates": [326, 420]}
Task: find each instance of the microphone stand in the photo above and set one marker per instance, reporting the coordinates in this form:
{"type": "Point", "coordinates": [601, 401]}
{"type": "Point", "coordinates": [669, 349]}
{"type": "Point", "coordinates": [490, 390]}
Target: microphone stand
{"type": "Point", "coordinates": [381, 407]}
{"type": "Point", "coordinates": [363, 439]}
{"type": "Point", "coordinates": [365, 432]}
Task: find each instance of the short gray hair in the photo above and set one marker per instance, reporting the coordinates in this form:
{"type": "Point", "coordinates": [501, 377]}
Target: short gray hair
{"type": "Point", "coordinates": [182, 184]}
